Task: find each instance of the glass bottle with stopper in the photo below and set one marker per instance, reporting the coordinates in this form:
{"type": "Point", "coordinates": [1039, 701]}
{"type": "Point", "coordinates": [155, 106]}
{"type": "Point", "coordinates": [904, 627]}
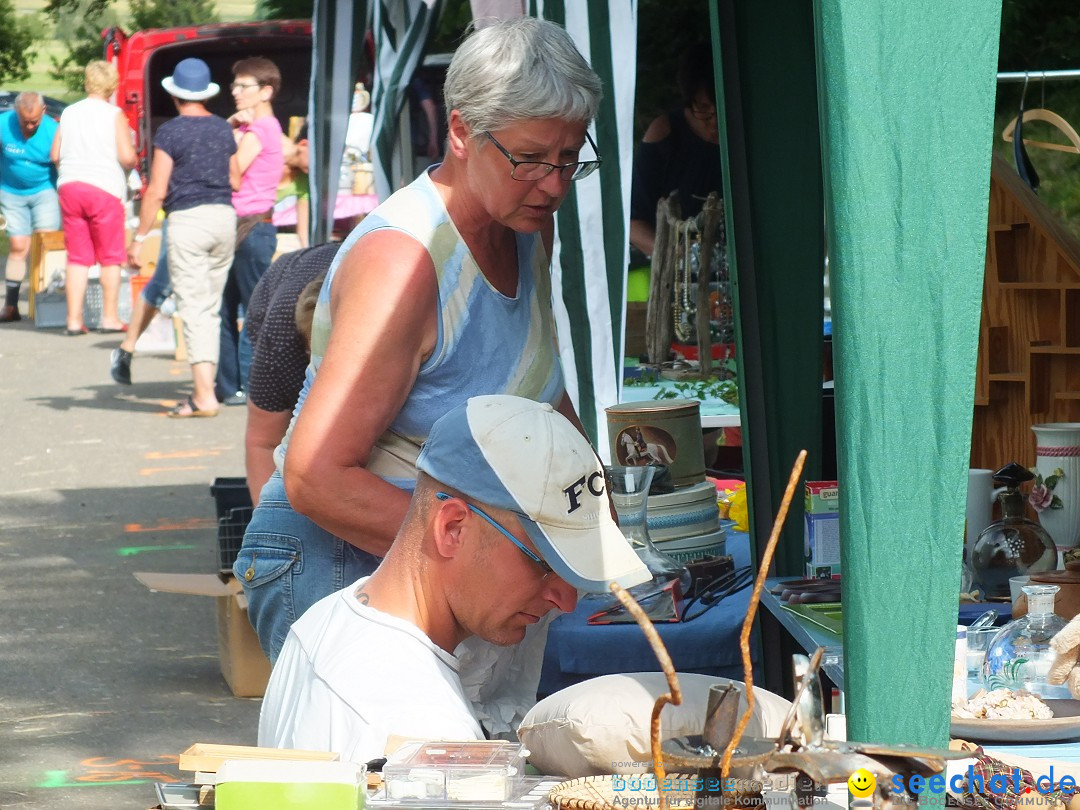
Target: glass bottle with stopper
{"type": "Point", "coordinates": [1019, 656]}
{"type": "Point", "coordinates": [1013, 546]}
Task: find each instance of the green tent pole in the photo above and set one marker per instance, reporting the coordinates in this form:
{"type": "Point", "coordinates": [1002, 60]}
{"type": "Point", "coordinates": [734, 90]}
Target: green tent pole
{"type": "Point", "coordinates": [907, 97]}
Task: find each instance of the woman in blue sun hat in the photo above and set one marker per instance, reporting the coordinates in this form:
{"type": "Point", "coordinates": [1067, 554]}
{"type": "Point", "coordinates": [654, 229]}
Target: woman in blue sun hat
{"type": "Point", "coordinates": [189, 177]}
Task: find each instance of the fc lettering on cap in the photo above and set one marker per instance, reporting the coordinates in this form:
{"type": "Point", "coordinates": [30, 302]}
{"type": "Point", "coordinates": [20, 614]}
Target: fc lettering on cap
{"type": "Point", "coordinates": [573, 492]}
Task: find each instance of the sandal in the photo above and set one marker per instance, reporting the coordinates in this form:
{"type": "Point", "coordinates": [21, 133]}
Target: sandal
{"type": "Point", "coordinates": [192, 412]}
{"type": "Point", "coordinates": [82, 330]}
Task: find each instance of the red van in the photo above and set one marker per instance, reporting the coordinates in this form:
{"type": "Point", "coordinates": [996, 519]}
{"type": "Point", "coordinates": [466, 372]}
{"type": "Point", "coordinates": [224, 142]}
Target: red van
{"type": "Point", "coordinates": [144, 58]}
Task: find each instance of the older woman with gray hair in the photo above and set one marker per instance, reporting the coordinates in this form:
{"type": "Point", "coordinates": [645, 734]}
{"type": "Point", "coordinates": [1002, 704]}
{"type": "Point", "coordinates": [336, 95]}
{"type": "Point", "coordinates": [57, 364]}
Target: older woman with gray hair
{"type": "Point", "coordinates": [440, 294]}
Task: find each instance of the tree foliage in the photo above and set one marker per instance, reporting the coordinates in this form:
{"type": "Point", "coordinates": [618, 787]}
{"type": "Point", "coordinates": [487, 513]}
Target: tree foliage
{"type": "Point", "coordinates": [286, 9]}
{"type": "Point", "coordinates": [1039, 35]}
{"type": "Point", "coordinates": [17, 39]}
{"type": "Point", "coordinates": [666, 29]}
{"type": "Point", "coordinates": [171, 13]}
{"type": "Point", "coordinates": [453, 25]}
{"type": "Point", "coordinates": [82, 22]}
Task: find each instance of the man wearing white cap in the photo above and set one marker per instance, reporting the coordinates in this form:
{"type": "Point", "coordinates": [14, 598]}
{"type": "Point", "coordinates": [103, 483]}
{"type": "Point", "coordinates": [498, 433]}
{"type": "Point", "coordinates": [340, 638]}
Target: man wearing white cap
{"type": "Point", "coordinates": [510, 516]}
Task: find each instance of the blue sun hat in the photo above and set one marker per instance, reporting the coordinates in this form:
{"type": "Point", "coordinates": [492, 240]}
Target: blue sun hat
{"type": "Point", "coordinates": [190, 81]}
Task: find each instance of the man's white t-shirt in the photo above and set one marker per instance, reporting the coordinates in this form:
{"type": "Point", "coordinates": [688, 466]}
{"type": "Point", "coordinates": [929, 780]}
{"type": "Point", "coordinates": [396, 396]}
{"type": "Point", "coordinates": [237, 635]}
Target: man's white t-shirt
{"type": "Point", "coordinates": [349, 676]}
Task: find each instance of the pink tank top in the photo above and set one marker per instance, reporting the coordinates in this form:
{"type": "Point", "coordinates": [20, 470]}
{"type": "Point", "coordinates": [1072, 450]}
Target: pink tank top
{"type": "Point", "coordinates": [258, 186]}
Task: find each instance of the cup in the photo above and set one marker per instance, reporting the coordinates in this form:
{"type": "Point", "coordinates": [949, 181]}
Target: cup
{"type": "Point", "coordinates": [960, 673]}
{"type": "Point", "coordinates": [629, 491]}
{"type": "Point", "coordinates": [980, 504]}
{"type": "Point", "coordinates": [1016, 585]}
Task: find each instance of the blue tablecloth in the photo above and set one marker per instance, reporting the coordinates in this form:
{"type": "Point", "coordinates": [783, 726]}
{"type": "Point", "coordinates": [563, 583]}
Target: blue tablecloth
{"type": "Point", "coordinates": [708, 645]}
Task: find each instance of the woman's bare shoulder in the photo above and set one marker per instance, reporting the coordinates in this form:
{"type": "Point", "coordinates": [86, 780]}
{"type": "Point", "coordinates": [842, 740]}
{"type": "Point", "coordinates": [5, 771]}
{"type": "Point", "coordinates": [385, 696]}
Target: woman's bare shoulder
{"type": "Point", "coordinates": [386, 260]}
{"type": "Point", "coordinates": [659, 129]}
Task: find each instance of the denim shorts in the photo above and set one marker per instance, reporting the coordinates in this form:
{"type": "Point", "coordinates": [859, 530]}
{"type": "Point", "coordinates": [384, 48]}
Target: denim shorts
{"type": "Point", "coordinates": [159, 287]}
{"type": "Point", "coordinates": [26, 213]}
{"type": "Point", "coordinates": [287, 564]}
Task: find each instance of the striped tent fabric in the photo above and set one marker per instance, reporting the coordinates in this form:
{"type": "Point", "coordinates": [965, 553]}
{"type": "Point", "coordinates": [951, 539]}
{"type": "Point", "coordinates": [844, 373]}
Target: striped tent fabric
{"type": "Point", "coordinates": [402, 29]}
{"type": "Point", "coordinates": [591, 234]}
{"type": "Point", "coordinates": [337, 30]}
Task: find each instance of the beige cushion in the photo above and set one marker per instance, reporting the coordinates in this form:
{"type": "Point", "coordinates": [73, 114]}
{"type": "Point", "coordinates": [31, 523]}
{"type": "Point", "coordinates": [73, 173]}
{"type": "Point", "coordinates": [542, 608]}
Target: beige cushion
{"type": "Point", "coordinates": [601, 726]}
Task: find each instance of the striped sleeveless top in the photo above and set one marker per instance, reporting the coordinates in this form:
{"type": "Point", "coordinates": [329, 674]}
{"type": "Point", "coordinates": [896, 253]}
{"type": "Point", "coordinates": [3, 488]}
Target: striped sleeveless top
{"type": "Point", "coordinates": [487, 343]}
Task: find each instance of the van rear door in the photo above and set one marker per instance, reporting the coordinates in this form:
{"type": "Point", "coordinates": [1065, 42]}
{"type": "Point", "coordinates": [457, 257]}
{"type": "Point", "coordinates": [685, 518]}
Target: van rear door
{"type": "Point", "coordinates": [144, 58]}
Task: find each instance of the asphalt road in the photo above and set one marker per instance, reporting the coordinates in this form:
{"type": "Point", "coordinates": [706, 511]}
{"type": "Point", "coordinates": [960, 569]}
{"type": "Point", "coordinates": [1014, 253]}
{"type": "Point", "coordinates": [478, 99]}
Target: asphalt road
{"type": "Point", "coordinates": [103, 683]}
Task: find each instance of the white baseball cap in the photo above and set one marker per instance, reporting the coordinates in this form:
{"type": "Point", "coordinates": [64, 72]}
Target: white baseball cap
{"type": "Point", "coordinates": [525, 457]}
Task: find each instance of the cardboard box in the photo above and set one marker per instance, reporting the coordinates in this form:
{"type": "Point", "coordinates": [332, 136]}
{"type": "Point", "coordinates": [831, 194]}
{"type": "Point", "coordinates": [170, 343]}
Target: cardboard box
{"type": "Point", "coordinates": [243, 663]}
{"type": "Point", "coordinates": [822, 537]}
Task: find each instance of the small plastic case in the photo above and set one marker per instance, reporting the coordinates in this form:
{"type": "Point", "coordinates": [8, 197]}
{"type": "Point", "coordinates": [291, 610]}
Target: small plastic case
{"type": "Point", "coordinates": [471, 771]}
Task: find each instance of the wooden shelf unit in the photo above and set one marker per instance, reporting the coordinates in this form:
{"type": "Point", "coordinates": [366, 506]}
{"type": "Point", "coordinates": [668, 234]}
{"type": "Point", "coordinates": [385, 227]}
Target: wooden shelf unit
{"type": "Point", "coordinates": [1028, 369]}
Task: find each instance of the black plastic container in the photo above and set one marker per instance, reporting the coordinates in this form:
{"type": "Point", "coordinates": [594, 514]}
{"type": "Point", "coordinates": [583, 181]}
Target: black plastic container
{"type": "Point", "coordinates": [229, 493]}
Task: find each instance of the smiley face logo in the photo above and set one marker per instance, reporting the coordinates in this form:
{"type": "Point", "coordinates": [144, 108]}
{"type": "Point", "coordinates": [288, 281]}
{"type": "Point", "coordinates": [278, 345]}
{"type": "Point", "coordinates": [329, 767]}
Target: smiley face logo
{"type": "Point", "coordinates": [862, 783]}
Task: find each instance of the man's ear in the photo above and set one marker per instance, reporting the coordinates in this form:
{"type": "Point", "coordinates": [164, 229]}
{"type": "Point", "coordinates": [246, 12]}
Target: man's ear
{"type": "Point", "coordinates": [457, 136]}
{"type": "Point", "coordinates": [448, 526]}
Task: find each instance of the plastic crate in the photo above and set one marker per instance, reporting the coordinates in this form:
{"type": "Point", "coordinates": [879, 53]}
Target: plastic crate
{"type": "Point", "coordinates": [50, 310]}
{"type": "Point", "coordinates": [229, 493]}
{"type": "Point", "coordinates": [95, 302]}
{"type": "Point", "coordinates": [50, 306]}
{"type": "Point", "coordinates": [231, 529]}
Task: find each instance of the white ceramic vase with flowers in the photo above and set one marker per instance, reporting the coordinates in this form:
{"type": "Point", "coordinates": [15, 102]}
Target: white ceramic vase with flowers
{"type": "Point", "coordinates": [1055, 492]}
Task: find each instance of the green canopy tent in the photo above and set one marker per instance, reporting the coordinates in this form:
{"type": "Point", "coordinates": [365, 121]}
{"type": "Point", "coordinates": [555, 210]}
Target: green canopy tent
{"type": "Point", "coordinates": [864, 124]}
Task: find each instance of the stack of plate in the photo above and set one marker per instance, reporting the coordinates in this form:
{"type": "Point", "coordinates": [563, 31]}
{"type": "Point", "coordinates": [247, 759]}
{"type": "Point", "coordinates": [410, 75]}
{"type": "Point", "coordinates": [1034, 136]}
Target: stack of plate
{"type": "Point", "coordinates": [685, 524]}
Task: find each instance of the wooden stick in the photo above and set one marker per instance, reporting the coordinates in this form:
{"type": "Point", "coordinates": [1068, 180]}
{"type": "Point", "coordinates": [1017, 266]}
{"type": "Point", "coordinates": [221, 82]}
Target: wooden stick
{"type": "Point", "coordinates": [711, 220]}
{"type": "Point", "coordinates": [755, 598]}
{"type": "Point", "coordinates": [674, 696]}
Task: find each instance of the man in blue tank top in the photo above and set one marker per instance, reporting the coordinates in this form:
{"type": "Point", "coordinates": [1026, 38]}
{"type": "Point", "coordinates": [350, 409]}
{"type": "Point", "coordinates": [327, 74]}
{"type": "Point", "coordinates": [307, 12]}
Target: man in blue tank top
{"type": "Point", "coordinates": [28, 198]}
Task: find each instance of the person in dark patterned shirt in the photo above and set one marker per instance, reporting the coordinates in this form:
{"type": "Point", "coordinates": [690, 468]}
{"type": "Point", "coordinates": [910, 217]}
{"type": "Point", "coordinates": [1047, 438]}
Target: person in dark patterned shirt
{"type": "Point", "coordinates": [280, 352]}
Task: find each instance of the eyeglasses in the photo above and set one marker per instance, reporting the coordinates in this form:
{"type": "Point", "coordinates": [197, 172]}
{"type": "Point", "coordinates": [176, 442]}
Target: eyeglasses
{"type": "Point", "coordinates": [537, 169]}
{"type": "Point", "coordinates": [703, 112]}
{"type": "Point", "coordinates": [442, 496]}
{"type": "Point", "coordinates": [242, 85]}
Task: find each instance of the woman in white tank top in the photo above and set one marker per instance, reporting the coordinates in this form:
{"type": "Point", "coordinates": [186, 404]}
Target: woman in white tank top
{"type": "Point", "coordinates": [93, 151]}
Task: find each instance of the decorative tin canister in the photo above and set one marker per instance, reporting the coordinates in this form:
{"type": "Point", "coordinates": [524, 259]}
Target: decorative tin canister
{"type": "Point", "coordinates": [666, 432]}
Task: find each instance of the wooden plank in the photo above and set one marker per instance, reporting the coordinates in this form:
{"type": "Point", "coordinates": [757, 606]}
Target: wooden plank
{"type": "Point", "coordinates": [659, 326]}
{"type": "Point", "coordinates": [207, 757]}
{"type": "Point", "coordinates": [711, 221]}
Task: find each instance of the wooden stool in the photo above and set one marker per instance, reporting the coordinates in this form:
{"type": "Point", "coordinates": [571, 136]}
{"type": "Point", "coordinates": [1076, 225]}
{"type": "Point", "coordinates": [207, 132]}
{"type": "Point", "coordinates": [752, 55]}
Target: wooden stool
{"type": "Point", "coordinates": [42, 243]}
